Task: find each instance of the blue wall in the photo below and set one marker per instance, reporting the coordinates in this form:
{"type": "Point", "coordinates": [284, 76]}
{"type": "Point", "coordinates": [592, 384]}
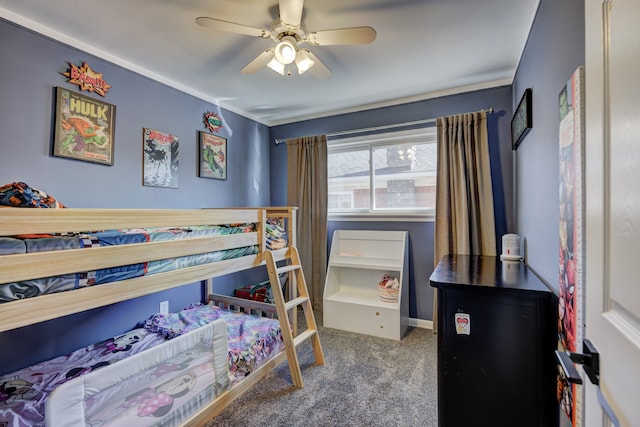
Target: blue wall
{"type": "Point", "coordinates": [554, 50]}
{"type": "Point", "coordinates": [30, 67]}
{"type": "Point", "coordinates": [420, 233]}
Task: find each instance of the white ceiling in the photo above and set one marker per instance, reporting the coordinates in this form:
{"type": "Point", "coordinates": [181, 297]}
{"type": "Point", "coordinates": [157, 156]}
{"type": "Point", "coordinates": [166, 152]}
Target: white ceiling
{"type": "Point", "coordinates": [423, 48]}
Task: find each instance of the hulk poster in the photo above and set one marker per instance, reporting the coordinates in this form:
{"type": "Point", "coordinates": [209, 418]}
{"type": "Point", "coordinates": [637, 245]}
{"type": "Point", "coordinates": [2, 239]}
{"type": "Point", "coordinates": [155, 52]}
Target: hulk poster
{"type": "Point", "coordinates": [84, 128]}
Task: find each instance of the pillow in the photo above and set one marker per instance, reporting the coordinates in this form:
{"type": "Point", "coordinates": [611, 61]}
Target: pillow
{"type": "Point", "coordinates": [21, 195]}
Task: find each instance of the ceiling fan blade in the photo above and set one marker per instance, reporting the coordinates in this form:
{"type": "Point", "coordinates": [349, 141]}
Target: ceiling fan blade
{"type": "Point", "coordinates": [318, 70]}
{"type": "Point", "coordinates": [291, 12]}
{"type": "Point", "coordinates": [354, 35]}
{"type": "Point", "coordinates": [259, 62]}
{"type": "Point", "coordinates": [231, 27]}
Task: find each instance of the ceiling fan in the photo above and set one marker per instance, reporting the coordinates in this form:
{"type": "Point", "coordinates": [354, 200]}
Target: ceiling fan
{"type": "Point", "coordinates": [290, 33]}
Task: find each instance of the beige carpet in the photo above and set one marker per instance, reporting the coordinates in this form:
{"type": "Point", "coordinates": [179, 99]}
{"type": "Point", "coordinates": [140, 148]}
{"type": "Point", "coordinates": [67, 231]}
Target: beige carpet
{"type": "Point", "coordinates": [366, 381]}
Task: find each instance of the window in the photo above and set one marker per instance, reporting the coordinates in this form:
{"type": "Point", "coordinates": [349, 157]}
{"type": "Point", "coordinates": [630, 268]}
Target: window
{"type": "Point", "coordinates": [341, 200]}
{"type": "Point", "coordinates": [390, 173]}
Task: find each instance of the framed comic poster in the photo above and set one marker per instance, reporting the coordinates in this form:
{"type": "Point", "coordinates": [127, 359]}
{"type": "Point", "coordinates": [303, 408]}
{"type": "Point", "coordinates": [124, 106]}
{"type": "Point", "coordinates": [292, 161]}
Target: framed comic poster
{"type": "Point", "coordinates": [161, 159]}
{"type": "Point", "coordinates": [84, 128]}
{"type": "Point", "coordinates": [212, 156]}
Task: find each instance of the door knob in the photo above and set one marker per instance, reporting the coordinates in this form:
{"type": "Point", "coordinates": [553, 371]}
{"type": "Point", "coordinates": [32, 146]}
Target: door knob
{"type": "Point", "coordinates": [589, 359]}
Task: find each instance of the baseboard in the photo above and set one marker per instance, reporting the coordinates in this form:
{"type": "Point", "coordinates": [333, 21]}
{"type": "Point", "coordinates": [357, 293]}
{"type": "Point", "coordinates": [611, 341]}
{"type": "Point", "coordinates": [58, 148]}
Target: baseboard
{"type": "Point", "coordinates": [420, 323]}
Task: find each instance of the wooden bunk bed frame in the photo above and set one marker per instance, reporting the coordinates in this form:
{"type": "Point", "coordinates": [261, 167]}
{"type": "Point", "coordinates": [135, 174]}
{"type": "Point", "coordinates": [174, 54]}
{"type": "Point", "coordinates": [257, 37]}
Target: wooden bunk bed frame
{"type": "Point", "coordinates": [20, 221]}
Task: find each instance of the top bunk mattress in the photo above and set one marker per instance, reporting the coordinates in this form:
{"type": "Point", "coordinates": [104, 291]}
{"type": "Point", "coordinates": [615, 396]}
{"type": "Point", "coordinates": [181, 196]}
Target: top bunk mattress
{"type": "Point", "coordinates": [276, 239]}
{"type": "Point", "coordinates": [44, 243]}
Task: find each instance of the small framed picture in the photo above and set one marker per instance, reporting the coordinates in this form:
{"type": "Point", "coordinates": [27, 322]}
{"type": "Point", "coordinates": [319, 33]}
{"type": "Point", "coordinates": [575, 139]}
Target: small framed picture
{"type": "Point", "coordinates": [212, 156]}
{"type": "Point", "coordinates": [84, 128]}
{"type": "Point", "coordinates": [161, 159]}
{"type": "Point", "coordinates": [522, 121]}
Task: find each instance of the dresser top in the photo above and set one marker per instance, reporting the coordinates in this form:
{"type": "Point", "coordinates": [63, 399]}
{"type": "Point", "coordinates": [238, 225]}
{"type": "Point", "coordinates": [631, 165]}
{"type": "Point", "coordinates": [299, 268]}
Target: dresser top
{"type": "Point", "coordinates": [484, 272]}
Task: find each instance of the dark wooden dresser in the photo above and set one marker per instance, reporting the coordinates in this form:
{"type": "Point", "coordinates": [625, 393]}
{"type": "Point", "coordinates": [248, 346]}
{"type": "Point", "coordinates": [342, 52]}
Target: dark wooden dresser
{"type": "Point", "coordinates": [497, 332]}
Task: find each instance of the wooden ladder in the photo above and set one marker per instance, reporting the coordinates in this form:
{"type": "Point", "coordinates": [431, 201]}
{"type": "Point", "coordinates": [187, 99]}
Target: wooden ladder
{"type": "Point", "coordinates": [284, 307]}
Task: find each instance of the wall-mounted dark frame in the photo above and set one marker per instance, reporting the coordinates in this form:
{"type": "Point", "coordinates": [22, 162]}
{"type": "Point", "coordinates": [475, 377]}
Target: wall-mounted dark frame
{"type": "Point", "coordinates": [522, 120]}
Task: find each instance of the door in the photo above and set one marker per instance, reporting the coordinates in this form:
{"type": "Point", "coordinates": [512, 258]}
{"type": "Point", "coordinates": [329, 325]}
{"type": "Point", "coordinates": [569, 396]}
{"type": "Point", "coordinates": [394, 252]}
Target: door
{"type": "Point", "coordinates": [613, 209]}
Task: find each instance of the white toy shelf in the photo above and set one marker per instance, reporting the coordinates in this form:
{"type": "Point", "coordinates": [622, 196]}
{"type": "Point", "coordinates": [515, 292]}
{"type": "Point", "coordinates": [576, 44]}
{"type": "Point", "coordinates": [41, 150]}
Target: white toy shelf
{"type": "Point", "coordinates": [358, 261]}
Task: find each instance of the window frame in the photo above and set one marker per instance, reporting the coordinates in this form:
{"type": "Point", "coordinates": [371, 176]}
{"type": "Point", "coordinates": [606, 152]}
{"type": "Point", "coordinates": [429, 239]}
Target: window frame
{"type": "Point", "coordinates": [371, 141]}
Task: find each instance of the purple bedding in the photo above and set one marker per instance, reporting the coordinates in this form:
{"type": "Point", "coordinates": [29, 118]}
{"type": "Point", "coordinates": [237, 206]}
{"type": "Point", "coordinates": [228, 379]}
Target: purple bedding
{"type": "Point", "coordinates": [23, 393]}
{"type": "Point", "coordinates": [252, 340]}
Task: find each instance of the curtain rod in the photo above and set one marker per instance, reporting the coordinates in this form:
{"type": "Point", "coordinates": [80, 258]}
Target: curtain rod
{"type": "Point", "coordinates": [397, 125]}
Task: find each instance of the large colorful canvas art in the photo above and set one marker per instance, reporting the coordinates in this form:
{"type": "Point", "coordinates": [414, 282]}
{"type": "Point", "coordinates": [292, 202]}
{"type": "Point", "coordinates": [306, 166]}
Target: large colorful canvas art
{"type": "Point", "coordinates": [571, 257]}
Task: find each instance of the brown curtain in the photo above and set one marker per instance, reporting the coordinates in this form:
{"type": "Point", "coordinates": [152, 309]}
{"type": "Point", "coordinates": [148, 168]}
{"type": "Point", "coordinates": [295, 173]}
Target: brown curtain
{"type": "Point", "coordinates": [307, 189]}
{"type": "Point", "coordinates": [465, 222]}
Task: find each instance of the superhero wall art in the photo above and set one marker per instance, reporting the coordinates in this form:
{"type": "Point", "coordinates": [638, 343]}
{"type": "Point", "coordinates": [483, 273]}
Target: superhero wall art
{"type": "Point", "coordinates": [84, 128]}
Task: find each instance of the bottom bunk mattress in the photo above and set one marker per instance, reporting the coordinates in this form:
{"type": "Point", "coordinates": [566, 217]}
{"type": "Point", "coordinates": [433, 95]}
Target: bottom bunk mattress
{"type": "Point", "coordinates": [23, 393]}
{"type": "Point", "coordinates": [251, 341]}
{"type": "Point", "coordinates": [162, 386]}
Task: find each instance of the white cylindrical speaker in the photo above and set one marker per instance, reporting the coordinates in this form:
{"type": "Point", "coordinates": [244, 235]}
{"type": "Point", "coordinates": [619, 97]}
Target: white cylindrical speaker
{"type": "Point", "coordinates": [511, 247]}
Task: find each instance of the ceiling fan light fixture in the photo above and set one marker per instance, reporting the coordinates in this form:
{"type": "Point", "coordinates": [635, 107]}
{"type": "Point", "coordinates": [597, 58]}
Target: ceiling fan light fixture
{"type": "Point", "coordinates": [286, 50]}
{"type": "Point", "coordinates": [276, 66]}
{"type": "Point", "coordinates": [303, 61]}
{"type": "Point", "coordinates": [289, 33]}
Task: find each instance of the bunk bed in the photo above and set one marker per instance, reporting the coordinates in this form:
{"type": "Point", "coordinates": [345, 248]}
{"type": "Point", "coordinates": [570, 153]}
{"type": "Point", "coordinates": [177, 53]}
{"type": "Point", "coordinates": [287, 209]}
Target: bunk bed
{"type": "Point", "coordinates": [199, 246]}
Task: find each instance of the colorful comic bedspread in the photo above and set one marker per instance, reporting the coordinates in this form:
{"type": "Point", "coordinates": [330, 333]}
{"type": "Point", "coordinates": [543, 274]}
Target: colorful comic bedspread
{"type": "Point", "coordinates": [276, 234]}
{"type": "Point", "coordinates": [252, 340]}
{"type": "Point", "coordinates": [42, 243]}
